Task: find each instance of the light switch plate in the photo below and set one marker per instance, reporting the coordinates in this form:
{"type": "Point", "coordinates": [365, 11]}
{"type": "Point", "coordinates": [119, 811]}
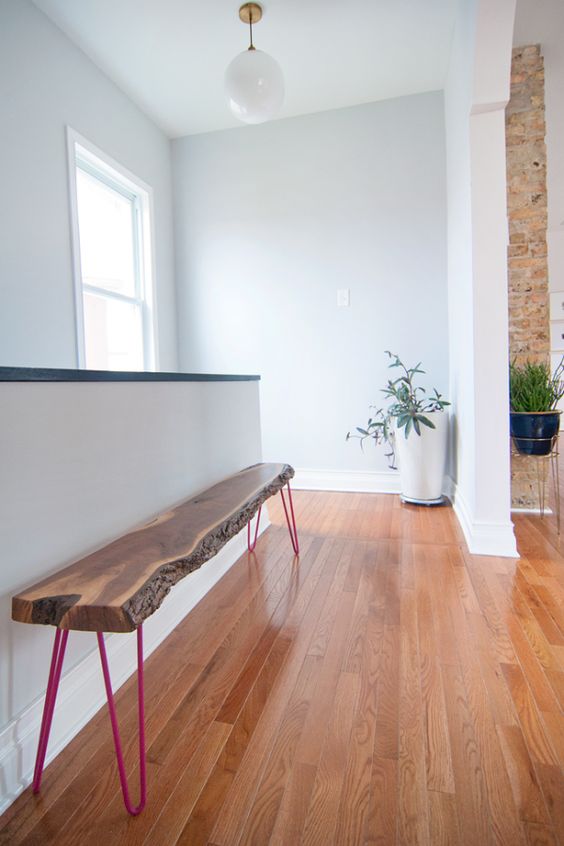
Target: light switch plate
{"type": "Point", "coordinates": [343, 297]}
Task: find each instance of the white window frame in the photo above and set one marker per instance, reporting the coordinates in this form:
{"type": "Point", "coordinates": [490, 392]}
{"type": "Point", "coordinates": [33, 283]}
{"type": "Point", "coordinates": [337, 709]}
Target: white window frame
{"type": "Point", "coordinates": [83, 153]}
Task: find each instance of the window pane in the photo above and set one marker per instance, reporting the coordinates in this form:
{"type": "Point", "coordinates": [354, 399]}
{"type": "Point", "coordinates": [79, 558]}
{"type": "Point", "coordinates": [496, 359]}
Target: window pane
{"type": "Point", "coordinates": [113, 334]}
{"type": "Point", "coordinates": [105, 220]}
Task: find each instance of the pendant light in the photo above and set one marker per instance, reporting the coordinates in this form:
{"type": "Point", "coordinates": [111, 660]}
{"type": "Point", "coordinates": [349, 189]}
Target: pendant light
{"type": "Point", "coordinates": [253, 80]}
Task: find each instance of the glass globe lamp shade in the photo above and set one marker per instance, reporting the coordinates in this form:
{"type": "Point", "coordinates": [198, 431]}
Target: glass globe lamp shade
{"type": "Point", "coordinates": [255, 86]}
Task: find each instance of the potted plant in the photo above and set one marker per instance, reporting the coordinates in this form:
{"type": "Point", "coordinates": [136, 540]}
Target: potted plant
{"type": "Point", "coordinates": [534, 393]}
{"type": "Point", "coordinates": [414, 425]}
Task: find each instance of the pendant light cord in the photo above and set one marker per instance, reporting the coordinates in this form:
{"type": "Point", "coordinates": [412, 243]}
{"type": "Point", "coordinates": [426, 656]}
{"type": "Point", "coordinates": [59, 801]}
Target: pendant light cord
{"type": "Point", "coordinates": [251, 46]}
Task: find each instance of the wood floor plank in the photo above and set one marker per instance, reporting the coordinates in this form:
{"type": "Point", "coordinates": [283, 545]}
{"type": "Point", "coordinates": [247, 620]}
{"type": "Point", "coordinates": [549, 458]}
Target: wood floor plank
{"type": "Point", "coordinates": [556, 681]}
{"type": "Point", "coordinates": [552, 595]}
{"type": "Point", "coordinates": [540, 835]}
{"type": "Point", "coordinates": [355, 648]}
{"type": "Point", "coordinates": [438, 758]}
{"type": "Point", "coordinates": [527, 793]}
{"type": "Point", "coordinates": [443, 819]}
{"type": "Point", "coordinates": [268, 798]}
{"type": "Point", "coordinates": [381, 823]}
{"type": "Point", "coordinates": [550, 630]}
{"type": "Point", "coordinates": [551, 780]}
{"type": "Point", "coordinates": [471, 799]}
{"type": "Point", "coordinates": [534, 733]}
{"type": "Point", "coordinates": [180, 803]}
{"type": "Point", "coordinates": [506, 826]}
{"type": "Point", "coordinates": [342, 552]}
{"type": "Point", "coordinates": [293, 809]}
{"type": "Point", "coordinates": [413, 811]}
{"type": "Point", "coordinates": [321, 818]}
{"type": "Point", "coordinates": [352, 818]}
{"type": "Point", "coordinates": [554, 730]}
{"type": "Point", "coordinates": [386, 741]}
{"type": "Point", "coordinates": [500, 700]}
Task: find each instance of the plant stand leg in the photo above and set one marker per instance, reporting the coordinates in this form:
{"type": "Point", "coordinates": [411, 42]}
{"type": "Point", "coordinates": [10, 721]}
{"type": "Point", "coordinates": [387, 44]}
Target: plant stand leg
{"type": "Point", "coordinates": [541, 484]}
{"type": "Point", "coordinates": [55, 670]}
{"type": "Point", "coordinates": [132, 809]}
{"type": "Point", "coordinates": [291, 525]}
{"type": "Point", "coordinates": [556, 484]}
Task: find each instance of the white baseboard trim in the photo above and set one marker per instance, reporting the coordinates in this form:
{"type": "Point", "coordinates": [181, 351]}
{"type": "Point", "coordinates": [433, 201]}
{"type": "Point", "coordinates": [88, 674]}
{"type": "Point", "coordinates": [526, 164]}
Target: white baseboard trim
{"type": "Point", "coordinates": [353, 481]}
{"type": "Point", "coordinates": [81, 693]}
{"type": "Point", "coordinates": [483, 538]}
{"type": "Point", "coordinates": [537, 511]}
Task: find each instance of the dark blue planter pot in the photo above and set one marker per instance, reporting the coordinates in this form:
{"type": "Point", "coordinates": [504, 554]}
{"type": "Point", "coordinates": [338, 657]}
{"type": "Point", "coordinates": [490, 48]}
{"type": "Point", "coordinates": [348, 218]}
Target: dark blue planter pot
{"type": "Point", "coordinates": [533, 433]}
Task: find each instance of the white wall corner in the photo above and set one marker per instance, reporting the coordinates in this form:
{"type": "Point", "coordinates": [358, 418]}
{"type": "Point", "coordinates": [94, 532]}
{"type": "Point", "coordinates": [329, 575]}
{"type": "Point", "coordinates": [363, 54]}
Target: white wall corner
{"type": "Point", "coordinates": [81, 693]}
{"type": "Point", "coordinates": [484, 538]}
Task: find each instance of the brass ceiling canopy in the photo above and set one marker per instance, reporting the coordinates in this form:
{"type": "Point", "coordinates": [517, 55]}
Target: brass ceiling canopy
{"type": "Point", "coordinates": [250, 13]}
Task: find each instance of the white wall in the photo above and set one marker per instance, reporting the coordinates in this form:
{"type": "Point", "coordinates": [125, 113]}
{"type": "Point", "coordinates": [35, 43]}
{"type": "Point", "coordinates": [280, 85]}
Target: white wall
{"type": "Point", "coordinates": [476, 92]}
{"type": "Point", "coordinates": [81, 464]}
{"type": "Point", "coordinates": [270, 221]}
{"type": "Point", "coordinates": [46, 82]}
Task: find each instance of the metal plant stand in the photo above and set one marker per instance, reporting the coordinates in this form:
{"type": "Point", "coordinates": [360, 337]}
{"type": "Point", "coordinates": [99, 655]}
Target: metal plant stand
{"type": "Point", "coordinates": [543, 472]}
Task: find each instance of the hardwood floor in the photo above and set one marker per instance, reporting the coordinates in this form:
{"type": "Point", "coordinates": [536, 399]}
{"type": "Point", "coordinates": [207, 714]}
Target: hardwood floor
{"type": "Point", "coordinates": [388, 688]}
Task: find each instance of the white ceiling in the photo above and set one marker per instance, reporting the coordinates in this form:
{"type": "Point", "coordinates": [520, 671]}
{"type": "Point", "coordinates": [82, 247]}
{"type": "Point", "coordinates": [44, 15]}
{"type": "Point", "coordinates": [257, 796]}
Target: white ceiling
{"type": "Point", "coordinates": [169, 56]}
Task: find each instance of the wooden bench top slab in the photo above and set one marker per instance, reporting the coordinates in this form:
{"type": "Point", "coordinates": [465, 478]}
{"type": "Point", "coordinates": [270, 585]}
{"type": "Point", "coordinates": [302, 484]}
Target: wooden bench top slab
{"type": "Point", "coordinates": [117, 587]}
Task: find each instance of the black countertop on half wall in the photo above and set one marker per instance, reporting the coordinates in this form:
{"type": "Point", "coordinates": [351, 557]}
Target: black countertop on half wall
{"type": "Point", "coordinates": [53, 374]}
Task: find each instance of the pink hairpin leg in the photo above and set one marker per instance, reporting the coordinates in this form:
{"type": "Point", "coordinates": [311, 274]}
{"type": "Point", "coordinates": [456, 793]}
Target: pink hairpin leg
{"type": "Point", "coordinates": [133, 809]}
{"type": "Point", "coordinates": [55, 670]}
{"type": "Point", "coordinates": [291, 526]}
{"type": "Point", "coordinates": [251, 546]}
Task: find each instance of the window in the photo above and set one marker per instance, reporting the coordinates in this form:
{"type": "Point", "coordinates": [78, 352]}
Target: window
{"type": "Point", "coordinates": [112, 263]}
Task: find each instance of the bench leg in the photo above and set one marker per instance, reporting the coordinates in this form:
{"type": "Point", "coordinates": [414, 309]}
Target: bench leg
{"type": "Point", "coordinates": [251, 546]}
{"type": "Point", "coordinates": [291, 525]}
{"type": "Point", "coordinates": [55, 670]}
{"type": "Point", "coordinates": [48, 710]}
{"type": "Point", "coordinates": [132, 809]}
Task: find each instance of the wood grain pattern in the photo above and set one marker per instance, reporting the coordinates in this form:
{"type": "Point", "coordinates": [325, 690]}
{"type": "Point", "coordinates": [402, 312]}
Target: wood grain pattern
{"type": "Point", "coordinates": [116, 588]}
{"type": "Point", "coordinates": [389, 689]}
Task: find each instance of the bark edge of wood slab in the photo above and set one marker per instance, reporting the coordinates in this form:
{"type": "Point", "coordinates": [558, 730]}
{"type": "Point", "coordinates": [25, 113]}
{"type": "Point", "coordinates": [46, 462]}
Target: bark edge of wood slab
{"type": "Point", "coordinates": [119, 586]}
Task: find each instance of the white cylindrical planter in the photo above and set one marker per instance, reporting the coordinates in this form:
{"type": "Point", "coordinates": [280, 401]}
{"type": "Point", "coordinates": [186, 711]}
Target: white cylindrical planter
{"type": "Point", "coordinates": [421, 460]}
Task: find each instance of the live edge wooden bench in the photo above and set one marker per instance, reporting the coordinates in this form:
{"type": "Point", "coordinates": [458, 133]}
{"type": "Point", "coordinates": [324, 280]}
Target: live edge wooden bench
{"type": "Point", "coordinates": [116, 588]}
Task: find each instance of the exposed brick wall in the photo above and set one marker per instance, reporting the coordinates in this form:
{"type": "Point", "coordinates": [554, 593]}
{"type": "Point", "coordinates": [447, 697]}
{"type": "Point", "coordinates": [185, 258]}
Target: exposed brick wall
{"type": "Point", "coordinates": [529, 326]}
